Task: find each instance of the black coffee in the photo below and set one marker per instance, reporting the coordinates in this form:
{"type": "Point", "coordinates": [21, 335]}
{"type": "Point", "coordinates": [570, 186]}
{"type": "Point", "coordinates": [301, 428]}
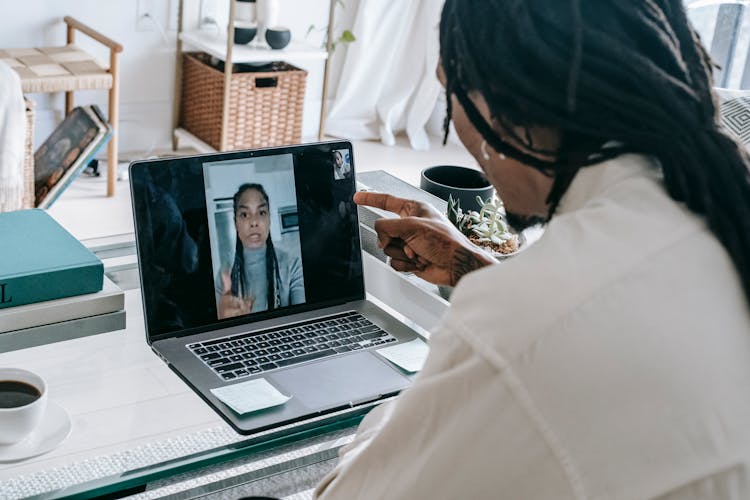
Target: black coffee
{"type": "Point", "coordinates": [14, 394]}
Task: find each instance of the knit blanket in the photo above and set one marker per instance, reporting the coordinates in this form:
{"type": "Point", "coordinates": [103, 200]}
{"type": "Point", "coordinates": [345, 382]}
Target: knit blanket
{"type": "Point", "coordinates": [12, 134]}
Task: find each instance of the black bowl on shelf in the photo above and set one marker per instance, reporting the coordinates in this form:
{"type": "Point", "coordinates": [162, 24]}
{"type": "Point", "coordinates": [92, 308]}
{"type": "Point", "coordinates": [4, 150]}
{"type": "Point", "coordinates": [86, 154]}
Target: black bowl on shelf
{"type": "Point", "coordinates": [244, 32]}
{"type": "Point", "coordinates": [278, 37]}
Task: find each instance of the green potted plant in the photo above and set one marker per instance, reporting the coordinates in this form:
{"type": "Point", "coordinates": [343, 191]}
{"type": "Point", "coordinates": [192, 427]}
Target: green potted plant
{"type": "Point", "coordinates": [485, 228]}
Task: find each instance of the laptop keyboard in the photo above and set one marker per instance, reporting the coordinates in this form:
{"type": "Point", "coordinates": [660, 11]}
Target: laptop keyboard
{"type": "Point", "coordinates": [247, 354]}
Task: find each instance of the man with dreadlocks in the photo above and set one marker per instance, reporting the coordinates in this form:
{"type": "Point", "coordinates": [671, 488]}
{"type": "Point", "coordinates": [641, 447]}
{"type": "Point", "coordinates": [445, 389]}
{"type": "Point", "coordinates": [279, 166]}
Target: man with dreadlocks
{"type": "Point", "coordinates": [611, 359]}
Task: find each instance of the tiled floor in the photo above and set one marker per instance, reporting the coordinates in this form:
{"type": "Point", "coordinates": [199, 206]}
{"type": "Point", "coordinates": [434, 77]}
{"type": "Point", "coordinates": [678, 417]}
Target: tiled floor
{"type": "Point", "coordinates": [85, 211]}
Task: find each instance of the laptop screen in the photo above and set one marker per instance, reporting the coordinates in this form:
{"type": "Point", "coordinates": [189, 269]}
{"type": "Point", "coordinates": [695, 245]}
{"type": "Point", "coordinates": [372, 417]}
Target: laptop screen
{"type": "Point", "coordinates": [231, 238]}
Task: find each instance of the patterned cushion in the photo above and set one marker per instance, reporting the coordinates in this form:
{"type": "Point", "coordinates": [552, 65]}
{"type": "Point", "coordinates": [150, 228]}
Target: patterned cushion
{"type": "Point", "coordinates": [57, 69]}
{"type": "Point", "coordinates": [735, 115]}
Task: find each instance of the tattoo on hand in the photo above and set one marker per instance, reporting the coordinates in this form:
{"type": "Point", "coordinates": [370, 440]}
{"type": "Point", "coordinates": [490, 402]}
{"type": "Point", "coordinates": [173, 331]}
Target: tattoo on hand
{"type": "Point", "coordinates": [464, 262]}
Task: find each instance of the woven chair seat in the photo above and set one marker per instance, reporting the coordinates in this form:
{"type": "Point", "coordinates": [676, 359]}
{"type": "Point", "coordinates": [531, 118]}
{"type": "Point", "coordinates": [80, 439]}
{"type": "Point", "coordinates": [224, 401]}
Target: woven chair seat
{"type": "Point", "coordinates": [57, 69]}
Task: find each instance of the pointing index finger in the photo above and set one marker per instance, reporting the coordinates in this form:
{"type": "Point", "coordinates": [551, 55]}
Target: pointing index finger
{"type": "Point", "coordinates": [382, 201]}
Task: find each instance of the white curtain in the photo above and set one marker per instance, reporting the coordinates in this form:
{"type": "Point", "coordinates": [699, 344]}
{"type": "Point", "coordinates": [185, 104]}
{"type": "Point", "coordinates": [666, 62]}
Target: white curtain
{"type": "Point", "coordinates": [388, 81]}
{"type": "Point", "coordinates": [12, 136]}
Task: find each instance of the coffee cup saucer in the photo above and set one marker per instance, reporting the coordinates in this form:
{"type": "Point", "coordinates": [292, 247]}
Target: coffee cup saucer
{"type": "Point", "coordinates": [52, 431]}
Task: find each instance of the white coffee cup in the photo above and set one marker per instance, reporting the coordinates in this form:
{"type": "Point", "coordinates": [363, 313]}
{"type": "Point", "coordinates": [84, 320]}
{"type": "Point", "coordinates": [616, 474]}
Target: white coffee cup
{"type": "Point", "coordinates": [17, 422]}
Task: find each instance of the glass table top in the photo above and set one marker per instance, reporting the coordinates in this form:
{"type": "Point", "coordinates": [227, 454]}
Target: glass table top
{"type": "Point", "coordinates": [281, 462]}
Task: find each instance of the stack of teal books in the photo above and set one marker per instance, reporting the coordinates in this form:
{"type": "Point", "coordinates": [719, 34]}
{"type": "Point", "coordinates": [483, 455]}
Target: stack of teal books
{"type": "Point", "coordinates": [48, 279]}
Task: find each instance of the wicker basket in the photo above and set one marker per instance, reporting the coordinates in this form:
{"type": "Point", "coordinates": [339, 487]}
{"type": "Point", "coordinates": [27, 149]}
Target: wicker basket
{"type": "Point", "coordinates": [28, 159]}
{"type": "Point", "coordinates": [265, 107]}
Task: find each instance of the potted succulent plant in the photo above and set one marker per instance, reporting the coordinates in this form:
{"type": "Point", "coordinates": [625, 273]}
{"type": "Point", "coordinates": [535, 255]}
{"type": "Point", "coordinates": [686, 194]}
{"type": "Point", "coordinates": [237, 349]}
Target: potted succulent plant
{"type": "Point", "coordinates": [485, 228]}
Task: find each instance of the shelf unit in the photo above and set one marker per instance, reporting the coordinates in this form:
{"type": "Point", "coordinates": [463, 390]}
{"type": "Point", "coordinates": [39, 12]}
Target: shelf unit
{"type": "Point", "coordinates": [224, 48]}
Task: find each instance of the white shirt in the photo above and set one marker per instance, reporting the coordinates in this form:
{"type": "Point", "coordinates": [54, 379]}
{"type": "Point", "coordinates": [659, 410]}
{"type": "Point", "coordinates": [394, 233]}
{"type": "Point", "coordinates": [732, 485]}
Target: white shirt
{"type": "Point", "coordinates": [609, 360]}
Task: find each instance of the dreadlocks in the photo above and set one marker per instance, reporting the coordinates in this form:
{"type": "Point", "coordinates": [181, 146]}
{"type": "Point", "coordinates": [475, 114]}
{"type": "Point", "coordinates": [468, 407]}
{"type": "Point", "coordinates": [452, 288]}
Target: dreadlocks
{"type": "Point", "coordinates": [612, 77]}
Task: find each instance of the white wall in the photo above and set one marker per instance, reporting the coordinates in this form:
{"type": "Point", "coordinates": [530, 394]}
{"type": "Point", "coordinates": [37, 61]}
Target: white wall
{"type": "Point", "coordinates": [147, 63]}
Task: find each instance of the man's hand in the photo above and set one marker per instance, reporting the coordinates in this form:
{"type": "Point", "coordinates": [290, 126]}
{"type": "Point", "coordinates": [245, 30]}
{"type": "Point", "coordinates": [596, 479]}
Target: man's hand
{"type": "Point", "coordinates": [422, 240]}
{"type": "Point", "coordinates": [231, 305]}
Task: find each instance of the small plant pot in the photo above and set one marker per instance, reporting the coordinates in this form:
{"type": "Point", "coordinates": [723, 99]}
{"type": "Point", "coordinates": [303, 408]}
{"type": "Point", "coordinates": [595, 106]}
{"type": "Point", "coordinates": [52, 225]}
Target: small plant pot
{"type": "Point", "coordinates": [278, 37]}
{"type": "Point", "coordinates": [244, 32]}
{"type": "Point", "coordinates": [463, 183]}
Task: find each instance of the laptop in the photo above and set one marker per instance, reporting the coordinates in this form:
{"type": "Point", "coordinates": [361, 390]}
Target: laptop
{"type": "Point", "coordinates": [251, 267]}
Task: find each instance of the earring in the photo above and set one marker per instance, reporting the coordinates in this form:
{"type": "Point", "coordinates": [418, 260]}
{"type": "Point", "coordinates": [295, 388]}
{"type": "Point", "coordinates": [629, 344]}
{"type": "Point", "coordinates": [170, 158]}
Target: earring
{"type": "Point", "coordinates": [486, 155]}
{"type": "Point", "coordinates": [483, 149]}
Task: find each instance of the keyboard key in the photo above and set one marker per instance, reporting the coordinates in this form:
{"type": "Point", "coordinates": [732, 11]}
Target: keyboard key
{"type": "Point", "coordinates": [261, 352]}
{"type": "Point", "coordinates": [229, 368]}
{"type": "Point", "coordinates": [369, 329]}
{"type": "Point", "coordinates": [311, 348]}
{"type": "Point", "coordinates": [285, 348]}
{"type": "Point", "coordinates": [268, 366]}
{"type": "Point", "coordinates": [194, 346]}
{"type": "Point", "coordinates": [373, 335]}
{"type": "Point", "coordinates": [236, 357]}
{"type": "Point", "coordinates": [254, 369]}
{"type": "Point", "coordinates": [210, 356]}
{"type": "Point", "coordinates": [298, 352]}
{"type": "Point", "coordinates": [226, 352]}
{"type": "Point", "coordinates": [238, 350]}
{"type": "Point", "coordinates": [229, 376]}
{"type": "Point", "coordinates": [274, 357]}
{"type": "Point", "coordinates": [241, 373]}
{"type": "Point", "coordinates": [250, 363]}
{"type": "Point", "coordinates": [342, 348]}
{"type": "Point", "coordinates": [287, 355]}
{"type": "Point", "coordinates": [218, 362]}
{"type": "Point", "coordinates": [262, 359]}
{"type": "Point", "coordinates": [200, 350]}
{"type": "Point", "coordinates": [263, 345]}
{"type": "Point", "coordinates": [275, 342]}
{"type": "Point", "coordinates": [273, 350]}
{"type": "Point", "coordinates": [297, 344]}
{"type": "Point", "coordinates": [212, 348]}
{"type": "Point", "coordinates": [308, 357]}
{"type": "Point", "coordinates": [225, 345]}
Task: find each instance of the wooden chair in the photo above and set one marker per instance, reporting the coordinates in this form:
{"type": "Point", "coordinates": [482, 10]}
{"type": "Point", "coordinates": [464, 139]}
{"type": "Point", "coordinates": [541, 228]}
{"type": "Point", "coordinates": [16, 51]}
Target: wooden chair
{"type": "Point", "coordinates": [67, 69]}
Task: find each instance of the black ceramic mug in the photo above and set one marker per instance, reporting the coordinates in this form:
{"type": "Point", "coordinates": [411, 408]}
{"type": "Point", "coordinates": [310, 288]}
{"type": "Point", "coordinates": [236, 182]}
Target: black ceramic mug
{"type": "Point", "coordinates": [463, 183]}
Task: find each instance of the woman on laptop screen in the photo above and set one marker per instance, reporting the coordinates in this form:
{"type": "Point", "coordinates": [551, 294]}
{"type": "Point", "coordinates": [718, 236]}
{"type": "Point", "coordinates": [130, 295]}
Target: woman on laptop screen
{"type": "Point", "coordinates": [261, 277]}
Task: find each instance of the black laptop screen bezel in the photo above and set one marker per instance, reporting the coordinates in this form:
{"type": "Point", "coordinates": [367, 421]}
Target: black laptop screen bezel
{"type": "Point", "coordinates": [138, 168]}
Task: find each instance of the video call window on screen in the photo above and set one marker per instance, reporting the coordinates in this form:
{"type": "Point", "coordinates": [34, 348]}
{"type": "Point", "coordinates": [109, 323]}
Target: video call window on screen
{"type": "Point", "coordinates": [342, 164]}
{"type": "Point", "coordinates": [254, 234]}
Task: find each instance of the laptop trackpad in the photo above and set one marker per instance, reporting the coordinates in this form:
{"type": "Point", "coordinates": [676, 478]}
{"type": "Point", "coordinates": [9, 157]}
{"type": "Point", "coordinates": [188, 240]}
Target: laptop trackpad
{"type": "Point", "coordinates": [352, 378]}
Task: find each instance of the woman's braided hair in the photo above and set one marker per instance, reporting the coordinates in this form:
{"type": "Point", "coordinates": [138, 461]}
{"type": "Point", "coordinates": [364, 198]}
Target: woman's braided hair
{"type": "Point", "coordinates": [612, 77]}
{"type": "Point", "coordinates": [239, 287]}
